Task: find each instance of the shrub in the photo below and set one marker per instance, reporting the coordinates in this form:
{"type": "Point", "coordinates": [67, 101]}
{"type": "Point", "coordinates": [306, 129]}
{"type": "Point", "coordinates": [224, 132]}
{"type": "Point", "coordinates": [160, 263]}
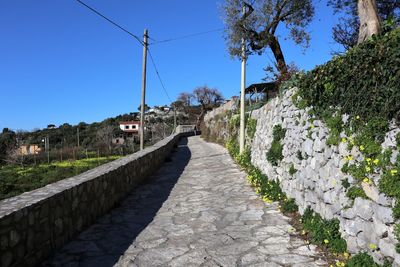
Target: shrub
{"type": "Point", "coordinates": [361, 260]}
{"type": "Point", "coordinates": [292, 170]}
{"type": "Point", "coordinates": [355, 191]}
{"type": "Point", "coordinates": [251, 127]}
{"type": "Point", "coordinates": [289, 205]}
{"type": "Point", "coordinates": [274, 154]}
{"type": "Point", "coordinates": [363, 82]}
{"type": "Point", "coordinates": [323, 232]}
{"type": "Point", "coordinates": [278, 132]}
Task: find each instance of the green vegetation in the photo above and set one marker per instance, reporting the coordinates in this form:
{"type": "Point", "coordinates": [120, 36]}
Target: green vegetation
{"type": "Point", "coordinates": [354, 192]}
{"type": "Point", "coordinates": [251, 126]}
{"type": "Point", "coordinates": [289, 205]}
{"type": "Point", "coordinates": [361, 260]}
{"type": "Point", "coordinates": [292, 170]}
{"type": "Point", "coordinates": [268, 189]}
{"type": "Point", "coordinates": [363, 82]}
{"type": "Point", "coordinates": [345, 183]}
{"type": "Point", "coordinates": [274, 154]}
{"type": "Point", "coordinates": [323, 232]}
{"type": "Point", "coordinates": [15, 180]}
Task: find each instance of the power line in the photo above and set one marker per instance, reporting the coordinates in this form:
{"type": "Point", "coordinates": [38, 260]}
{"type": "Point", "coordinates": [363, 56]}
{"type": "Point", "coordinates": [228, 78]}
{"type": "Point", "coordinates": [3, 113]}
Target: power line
{"type": "Point", "coordinates": [158, 74]}
{"type": "Point", "coordinates": [185, 36]}
{"type": "Point", "coordinates": [112, 22]}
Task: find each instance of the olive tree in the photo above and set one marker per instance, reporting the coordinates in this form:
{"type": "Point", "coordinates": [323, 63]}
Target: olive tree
{"type": "Point", "coordinates": [347, 31]}
{"type": "Point", "coordinates": [260, 28]}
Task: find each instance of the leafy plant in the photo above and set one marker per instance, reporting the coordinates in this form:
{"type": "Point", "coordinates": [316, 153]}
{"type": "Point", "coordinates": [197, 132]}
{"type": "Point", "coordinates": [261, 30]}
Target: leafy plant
{"type": "Point", "coordinates": [355, 191]}
{"type": "Point", "coordinates": [289, 205]}
{"type": "Point", "coordinates": [363, 82]}
{"type": "Point", "coordinates": [274, 154]}
{"type": "Point", "coordinates": [322, 231]}
{"type": "Point", "coordinates": [361, 260]}
{"type": "Point", "coordinates": [292, 170]}
{"type": "Point", "coordinates": [251, 127]}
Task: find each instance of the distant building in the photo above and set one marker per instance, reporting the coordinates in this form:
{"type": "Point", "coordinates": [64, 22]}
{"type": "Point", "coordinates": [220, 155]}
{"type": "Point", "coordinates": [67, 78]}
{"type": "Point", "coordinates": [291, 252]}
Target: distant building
{"type": "Point", "coordinates": [118, 141]}
{"type": "Point", "coordinates": [29, 150]}
{"type": "Point", "coordinates": [130, 126]}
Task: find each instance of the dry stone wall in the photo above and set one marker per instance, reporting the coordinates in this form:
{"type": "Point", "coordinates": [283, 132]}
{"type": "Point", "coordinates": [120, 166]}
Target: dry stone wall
{"type": "Point", "coordinates": [318, 181]}
{"type": "Point", "coordinates": [366, 224]}
{"type": "Point", "coordinates": [34, 224]}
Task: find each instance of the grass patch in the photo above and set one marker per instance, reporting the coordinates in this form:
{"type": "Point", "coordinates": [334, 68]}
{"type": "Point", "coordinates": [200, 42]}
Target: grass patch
{"type": "Point", "coordinates": [15, 180]}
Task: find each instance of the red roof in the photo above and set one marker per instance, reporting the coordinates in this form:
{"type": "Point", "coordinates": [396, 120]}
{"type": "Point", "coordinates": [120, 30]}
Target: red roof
{"type": "Point", "coordinates": [129, 122]}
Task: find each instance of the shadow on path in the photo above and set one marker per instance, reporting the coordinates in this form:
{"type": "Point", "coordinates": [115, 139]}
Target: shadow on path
{"type": "Point", "coordinates": [104, 242]}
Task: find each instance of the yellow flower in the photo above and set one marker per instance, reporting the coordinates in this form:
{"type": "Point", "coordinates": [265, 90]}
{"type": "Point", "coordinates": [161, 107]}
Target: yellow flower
{"type": "Point", "coordinates": [346, 255]}
{"type": "Point", "coordinates": [373, 246]}
{"type": "Point", "coordinates": [357, 117]}
{"type": "Point", "coordinates": [344, 140]}
{"type": "Point", "coordinates": [303, 232]}
{"type": "Point", "coordinates": [393, 172]}
{"type": "Point", "coordinates": [376, 161]}
{"type": "Point", "coordinates": [349, 158]}
{"type": "Point", "coordinates": [312, 126]}
{"type": "Point", "coordinates": [340, 264]}
{"type": "Point", "coordinates": [367, 181]}
{"type": "Point", "coordinates": [368, 160]}
{"type": "Point", "coordinates": [367, 169]}
{"type": "Point", "coordinates": [326, 241]}
{"type": "Point", "coordinates": [362, 148]}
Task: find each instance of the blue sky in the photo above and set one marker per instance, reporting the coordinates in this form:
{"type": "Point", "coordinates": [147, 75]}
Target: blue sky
{"type": "Point", "coordinates": [62, 63]}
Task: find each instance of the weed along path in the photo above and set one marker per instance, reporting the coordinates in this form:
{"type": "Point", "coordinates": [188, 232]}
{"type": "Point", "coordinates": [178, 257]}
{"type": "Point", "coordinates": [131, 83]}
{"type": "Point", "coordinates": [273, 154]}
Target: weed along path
{"type": "Point", "coordinates": [197, 210]}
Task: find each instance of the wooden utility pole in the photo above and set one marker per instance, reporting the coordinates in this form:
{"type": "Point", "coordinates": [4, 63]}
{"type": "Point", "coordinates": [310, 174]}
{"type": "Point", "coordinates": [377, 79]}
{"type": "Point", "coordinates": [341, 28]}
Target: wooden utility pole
{"type": "Point", "coordinates": [242, 93]}
{"type": "Point", "coordinates": [143, 102]}
{"type": "Point", "coordinates": [77, 133]}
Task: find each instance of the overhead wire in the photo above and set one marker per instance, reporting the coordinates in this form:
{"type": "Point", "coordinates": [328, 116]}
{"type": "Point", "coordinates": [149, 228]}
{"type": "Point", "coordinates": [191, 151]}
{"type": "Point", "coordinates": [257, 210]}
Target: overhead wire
{"type": "Point", "coordinates": [185, 36]}
{"type": "Point", "coordinates": [111, 21]}
{"type": "Point", "coordinates": [154, 41]}
{"type": "Point", "coordinates": [158, 74]}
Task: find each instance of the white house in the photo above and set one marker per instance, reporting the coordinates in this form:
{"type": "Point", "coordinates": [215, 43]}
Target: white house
{"type": "Point", "coordinates": [129, 126]}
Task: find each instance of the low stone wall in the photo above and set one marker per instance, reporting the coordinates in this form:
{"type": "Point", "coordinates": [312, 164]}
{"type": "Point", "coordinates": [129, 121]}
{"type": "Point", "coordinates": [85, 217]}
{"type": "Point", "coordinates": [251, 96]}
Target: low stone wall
{"type": "Point", "coordinates": [35, 224]}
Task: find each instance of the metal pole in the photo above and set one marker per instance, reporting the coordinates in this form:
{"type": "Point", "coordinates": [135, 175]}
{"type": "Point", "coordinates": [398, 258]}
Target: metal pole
{"type": "Point", "coordinates": [242, 93]}
{"type": "Point", "coordinates": [142, 103]}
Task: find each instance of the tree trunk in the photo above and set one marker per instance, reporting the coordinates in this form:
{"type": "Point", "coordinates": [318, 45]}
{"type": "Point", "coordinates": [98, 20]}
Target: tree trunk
{"type": "Point", "coordinates": [278, 54]}
{"type": "Point", "coordinates": [369, 20]}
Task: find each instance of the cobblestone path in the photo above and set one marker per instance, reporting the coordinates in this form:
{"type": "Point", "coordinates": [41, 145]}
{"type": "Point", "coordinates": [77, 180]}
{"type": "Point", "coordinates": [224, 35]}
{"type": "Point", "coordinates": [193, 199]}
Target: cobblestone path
{"type": "Point", "coordinates": [198, 210]}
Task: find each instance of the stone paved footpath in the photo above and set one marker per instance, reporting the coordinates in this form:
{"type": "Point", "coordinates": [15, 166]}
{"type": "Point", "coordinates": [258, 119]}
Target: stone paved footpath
{"type": "Point", "coordinates": [197, 210]}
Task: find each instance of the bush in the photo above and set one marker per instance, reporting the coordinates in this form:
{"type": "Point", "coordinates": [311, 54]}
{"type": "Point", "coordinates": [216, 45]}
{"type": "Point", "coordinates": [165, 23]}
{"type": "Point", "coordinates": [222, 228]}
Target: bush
{"type": "Point", "coordinates": [292, 170]}
{"type": "Point", "coordinates": [289, 205]}
{"type": "Point", "coordinates": [274, 154]}
{"type": "Point", "coordinates": [323, 232]}
{"type": "Point", "coordinates": [354, 192]}
{"type": "Point", "coordinates": [363, 82]}
{"type": "Point", "coordinates": [251, 127]}
{"type": "Point", "coordinates": [361, 260]}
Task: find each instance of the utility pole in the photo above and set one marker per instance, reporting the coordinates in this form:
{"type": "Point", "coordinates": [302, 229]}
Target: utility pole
{"type": "Point", "coordinates": [142, 105]}
{"type": "Point", "coordinates": [77, 133]}
{"type": "Point", "coordinates": [242, 93]}
{"type": "Point", "coordinates": [243, 81]}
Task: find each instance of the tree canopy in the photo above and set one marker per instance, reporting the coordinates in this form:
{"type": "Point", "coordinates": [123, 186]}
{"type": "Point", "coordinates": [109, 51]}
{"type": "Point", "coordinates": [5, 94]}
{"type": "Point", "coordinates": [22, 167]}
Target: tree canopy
{"type": "Point", "coordinates": [259, 29]}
